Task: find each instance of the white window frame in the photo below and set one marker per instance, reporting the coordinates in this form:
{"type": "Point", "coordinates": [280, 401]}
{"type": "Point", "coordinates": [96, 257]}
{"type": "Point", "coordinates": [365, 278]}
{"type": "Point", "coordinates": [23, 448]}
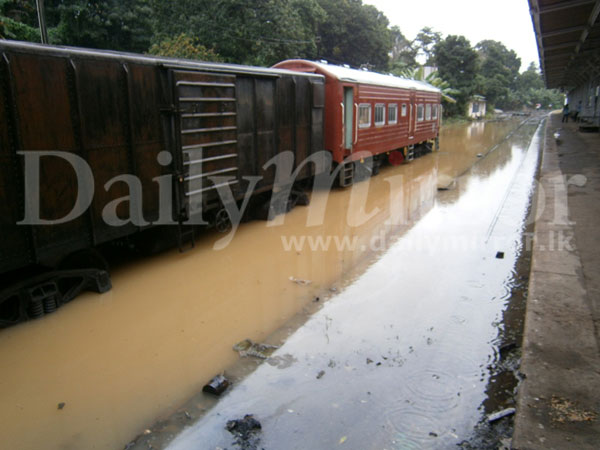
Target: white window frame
{"type": "Point", "coordinates": [428, 111]}
{"type": "Point", "coordinates": [380, 109]}
{"type": "Point", "coordinates": [404, 110]}
{"type": "Point", "coordinates": [420, 112]}
{"type": "Point", "coordinates": [434, 112]}
{"type": "Point", "coordinates": [364, 107]}
{"type": "Point", "coordinates": [393, 107]}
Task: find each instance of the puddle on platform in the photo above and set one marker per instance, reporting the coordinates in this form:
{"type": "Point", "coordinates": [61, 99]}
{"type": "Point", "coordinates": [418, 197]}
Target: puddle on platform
{"type": "Point", "coordinates": [409, 296]}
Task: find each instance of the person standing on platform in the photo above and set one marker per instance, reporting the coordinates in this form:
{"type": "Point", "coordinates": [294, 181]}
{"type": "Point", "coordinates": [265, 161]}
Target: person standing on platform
{"type": "Point", "coordinates": [565, 117]}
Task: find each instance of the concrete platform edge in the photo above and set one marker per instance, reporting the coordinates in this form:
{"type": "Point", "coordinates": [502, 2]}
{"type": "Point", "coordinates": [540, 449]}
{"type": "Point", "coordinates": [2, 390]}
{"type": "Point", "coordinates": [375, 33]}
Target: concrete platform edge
{"type": "Point", "coordinates": [558, 399]}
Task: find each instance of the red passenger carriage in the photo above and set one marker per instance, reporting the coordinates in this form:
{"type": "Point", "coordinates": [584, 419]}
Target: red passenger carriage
{"type": "Point", "coordinates": [370, 113]}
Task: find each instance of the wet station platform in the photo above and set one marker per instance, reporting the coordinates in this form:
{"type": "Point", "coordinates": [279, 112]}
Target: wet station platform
{"type": "Point", "coordinates": [559, 401]}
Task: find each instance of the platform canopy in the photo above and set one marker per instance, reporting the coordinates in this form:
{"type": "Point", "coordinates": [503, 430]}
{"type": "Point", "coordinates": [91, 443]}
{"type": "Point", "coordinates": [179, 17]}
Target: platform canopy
{"type": "Point", "coordinates": [568, 39]}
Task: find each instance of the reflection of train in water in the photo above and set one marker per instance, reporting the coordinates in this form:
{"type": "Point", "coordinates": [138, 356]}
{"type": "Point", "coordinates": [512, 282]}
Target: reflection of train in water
{"type": "Point", "coordinates": [99, 147]}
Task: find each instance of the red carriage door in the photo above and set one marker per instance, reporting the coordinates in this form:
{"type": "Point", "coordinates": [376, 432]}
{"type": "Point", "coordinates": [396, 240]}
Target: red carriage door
{"type": "Point", "coordinates": [412, 119]}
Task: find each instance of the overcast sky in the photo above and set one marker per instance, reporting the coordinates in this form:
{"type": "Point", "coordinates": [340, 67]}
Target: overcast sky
{"type": "Point", "coordinates": [507, 21]}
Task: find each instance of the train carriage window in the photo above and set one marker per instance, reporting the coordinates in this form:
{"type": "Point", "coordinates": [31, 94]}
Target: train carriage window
{"type": "Point", "coordinates": [403, 109]}
{"type": "Point", "coordinates": [392, 114]}
{"type": "Point", "coordinates": [379, 114]}
{"type": "Point", "coordinates": [364, 115]}
{"type": "Point", "coordinates": [428, 111]}
{"type": "Point", "coordinates": [434, 112]}
{"type": "Point", "coordinates": [420, 113]}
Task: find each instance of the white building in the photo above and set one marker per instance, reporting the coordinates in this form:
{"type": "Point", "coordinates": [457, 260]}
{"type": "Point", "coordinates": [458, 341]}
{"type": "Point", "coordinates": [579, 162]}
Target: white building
{"type": "Point", "coordinates": [476, 107]}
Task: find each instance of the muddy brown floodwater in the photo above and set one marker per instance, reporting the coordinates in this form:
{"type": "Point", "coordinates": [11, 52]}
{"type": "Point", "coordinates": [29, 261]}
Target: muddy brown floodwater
{"type": "Point", "coordinates": [411, 301]}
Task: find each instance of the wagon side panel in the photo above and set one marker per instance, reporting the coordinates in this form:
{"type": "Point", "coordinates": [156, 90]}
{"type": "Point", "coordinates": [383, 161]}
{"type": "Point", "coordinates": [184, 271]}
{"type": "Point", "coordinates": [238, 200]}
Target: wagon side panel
{"type": "Point", "coordinates": [147, 141]}
{"type": "Point", "coordinates": [14, 247]}
{"type": "Point", "coordinates": [43, 96]}
{"type": "Point", "coordinates": [103, 120]}
{"type": "Point", "coordinates": [257, 127]}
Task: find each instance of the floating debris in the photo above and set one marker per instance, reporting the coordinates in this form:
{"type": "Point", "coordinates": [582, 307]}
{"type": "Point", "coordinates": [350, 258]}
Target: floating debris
{"type": "Point", "coordinates": [246, 432]}
{"type": "Point", "coordinates": [479, 155]}
{"type": "Point", "coordinates": [300, 281]}
{"type": "Point", "coordinates": [320, 374]}
{"type": "Point", "coordinates": [258, 350]}
{"type": "Point", "coordinates": [216, 386]}
{"type": "Point", "coordinates": [500, 255]}
{"type": "Point", "coordinates": [500, 414]}
{"type": "Point", "coordinates": [61, 405]}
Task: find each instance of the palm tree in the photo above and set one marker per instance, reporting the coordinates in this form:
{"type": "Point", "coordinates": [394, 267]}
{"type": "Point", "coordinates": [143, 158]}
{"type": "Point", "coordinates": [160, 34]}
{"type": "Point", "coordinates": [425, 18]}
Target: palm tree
{"type": "Point", "coordinates": [417, 73]}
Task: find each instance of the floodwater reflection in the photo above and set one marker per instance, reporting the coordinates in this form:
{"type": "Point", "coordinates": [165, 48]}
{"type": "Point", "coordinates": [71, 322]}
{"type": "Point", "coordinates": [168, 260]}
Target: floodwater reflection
{"type": "Point", "coordinates": [121, 360]}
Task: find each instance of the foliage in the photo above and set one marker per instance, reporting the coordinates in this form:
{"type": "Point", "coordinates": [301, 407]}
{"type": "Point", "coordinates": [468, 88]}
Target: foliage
{"type": "Point", "coordinates": [498, 74]}
{"type": "Point", "coordinates": [457, 64]}
{"type": "Point", "coordinates": [184, 46]}
{"type": "Point", "coordinates": [263, 32]}
{"type": "Point", "coordinates": [425, 42]}
{"type": "Point", "coordinates": [354, 34]}
{"type": "Point", "coordinates": [448, 92]}
{"type": "Point", "coordinates": [106, 24]}
{"type": "Point", "coordinates": [259, 32]}
{"type": "Point", "coordinates": [418, 73]}
{"type": "Point", "coordinates": [18, 20]}
{"type": "Point", "coordinates": [531, 91]}
{"type": "Point", "coordinates": [11, 29]}
{"type": "Point", "coordinates": [403, 55]}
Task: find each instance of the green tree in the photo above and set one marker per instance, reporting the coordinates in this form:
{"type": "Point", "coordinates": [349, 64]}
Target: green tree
{"type": "Point", "coordinates": [184, 46]}
{"type": "Point", "coordinates": [425, 43]}
{"type": "Point", "coordinates": [260, 32]}
{"type": "Point", "coordinates": [18, 20]}
{"type": "Point", "coordinates": [106, 24]}
{"type": "Point", "coordinates": [498, 73]}
{"type": "Point", "coordinates": [530, 79]}
{"type": "Point", "coordinates": [403, 54]}
{"type": "Point", "coordinates": [457, 64]}
{"type": "Point", "coordinates": [418, 73]}
{"type": "Point", "coordinates": [532, 92]}
{"type": "Point", "coordinates": [355, 34]}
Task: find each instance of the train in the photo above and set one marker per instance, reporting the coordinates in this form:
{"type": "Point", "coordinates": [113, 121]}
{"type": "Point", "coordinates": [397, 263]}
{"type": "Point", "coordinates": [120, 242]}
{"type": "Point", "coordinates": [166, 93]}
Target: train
{"type": "Point", "coordinates": [99, 148]}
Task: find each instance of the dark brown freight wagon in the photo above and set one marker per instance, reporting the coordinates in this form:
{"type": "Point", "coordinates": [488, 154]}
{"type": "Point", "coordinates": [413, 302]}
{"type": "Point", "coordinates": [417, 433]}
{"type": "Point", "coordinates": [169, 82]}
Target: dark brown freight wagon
{"type": "Point", "coordinates": [98, 146]}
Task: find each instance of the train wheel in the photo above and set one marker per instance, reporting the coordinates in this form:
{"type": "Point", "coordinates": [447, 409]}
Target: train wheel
{"type": "Point", "coordinates": [396, 158]}
{"type": "Point", "coordinates": [376, 166]}
{"type": "Point", "coordinates": [222, 221]}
